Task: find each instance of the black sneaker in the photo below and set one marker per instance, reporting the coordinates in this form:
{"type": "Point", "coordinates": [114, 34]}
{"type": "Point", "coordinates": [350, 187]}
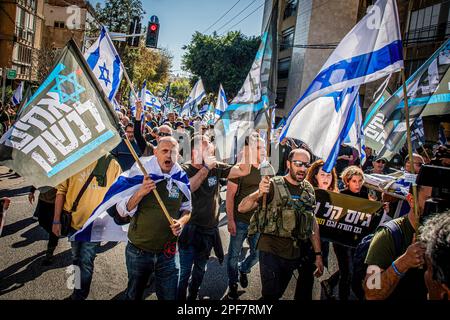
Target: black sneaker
{"type": "Point", "coordinates": [233, 291]}
{"type": "Point", "coordinates": [243, 279]}
{"type": "Point", "coordinates": [327, 290]}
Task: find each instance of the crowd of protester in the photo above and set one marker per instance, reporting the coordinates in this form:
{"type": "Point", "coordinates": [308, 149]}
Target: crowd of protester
{"type": "Point", "coordinates": [400, 271]}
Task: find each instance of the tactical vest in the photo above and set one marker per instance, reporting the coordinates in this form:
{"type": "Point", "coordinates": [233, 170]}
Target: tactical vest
{"type": "Point", "coordinates": [285, 217]}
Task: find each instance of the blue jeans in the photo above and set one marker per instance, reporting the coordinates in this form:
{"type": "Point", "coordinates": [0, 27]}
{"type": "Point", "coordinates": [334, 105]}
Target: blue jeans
{"type": "Point", "coordinates": [234, 251]}
{"type": "Point", "coordinates": [189, 256]}
{"type": "Point", "coordinates": [141, 264]}
{"type": "Point", "coordinates": [83, 255]}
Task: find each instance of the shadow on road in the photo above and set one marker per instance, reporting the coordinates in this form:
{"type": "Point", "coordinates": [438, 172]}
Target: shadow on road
{"type": "Point", "coordinates": [37, 233]}
{"type": "Point", "coordinates": [13, 280]}
{"type": "Point", "coordinates": [9, 175]}
{"type": "Point", "coordinates": [17, 226]}
{"type": "Point", "coordinates": [15, 192]}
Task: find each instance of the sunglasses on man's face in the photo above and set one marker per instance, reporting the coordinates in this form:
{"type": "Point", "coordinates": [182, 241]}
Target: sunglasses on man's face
{"type": "Point", "coordinates": [164, 134]}
{"type": "Point", "coordinates": [381, 161]}
{"type": "Point", "coordinates": [299, 163]}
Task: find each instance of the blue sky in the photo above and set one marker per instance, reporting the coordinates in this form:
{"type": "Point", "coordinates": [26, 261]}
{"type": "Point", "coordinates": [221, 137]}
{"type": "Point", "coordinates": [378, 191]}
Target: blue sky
{"type": "Point", "coordinates": [179, 19]}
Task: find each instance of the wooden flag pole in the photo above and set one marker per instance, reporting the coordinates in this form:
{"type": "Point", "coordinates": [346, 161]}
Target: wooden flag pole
{"type": "Point", "coordinates": [408, 139]}
{"type": "Point", "coordinates": [155, 192]}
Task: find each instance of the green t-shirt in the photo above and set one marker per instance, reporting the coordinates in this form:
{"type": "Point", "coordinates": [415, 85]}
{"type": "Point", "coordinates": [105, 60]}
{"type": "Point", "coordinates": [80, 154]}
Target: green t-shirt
{"type": "Point", "coordinates": [284, 247]}
{"type": "Point", "coordinates": [382, 249]}
{"type": "Point", "coordinates": [205, 200]}
{"type": "Point", "coordinates": [246, 186]}
{"type": "Point", "coordinates": [149, 229]}
{"type": "Point", "coordinates": [382, 253]}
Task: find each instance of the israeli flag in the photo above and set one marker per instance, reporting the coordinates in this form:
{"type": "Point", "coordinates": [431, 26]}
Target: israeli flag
{"type": "Point", "coordinates": [116, 105]}
{"type": "Point", "coordinates": [17, 96]}
{"type": "Point", "coordinates": [148, 99]}
{"type": "Point", "coordinates": [204, 109]}
{"type": "Point", "coordinates": [221, 104]}
{"type": "Point", "coordinates": [132, 100]}
{"type": "Point", "coordinates": [101, 226]}
{"type": "Point", "coordinates": [370, 51]}
{"type": "Point", "coordinates": [105, 62]}
{"type": "Point", "coordinates": [195, 97]}
{"type": "Point", "coordinates": [355, 136]}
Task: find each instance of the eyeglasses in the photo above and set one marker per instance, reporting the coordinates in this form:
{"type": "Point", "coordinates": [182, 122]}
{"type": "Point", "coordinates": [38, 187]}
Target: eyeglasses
{"type": "Point", "coordinates": [129, 132]}
{"type": "Point", "coordinates": [165, 134]}
{"type": "Point", "coordinates": [299, 163]}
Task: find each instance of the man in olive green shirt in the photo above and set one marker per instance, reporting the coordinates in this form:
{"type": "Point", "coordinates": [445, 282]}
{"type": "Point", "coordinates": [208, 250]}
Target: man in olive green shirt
{"type": "Point", "coordinates": [394, 275]}
{"type": "Point", "coordinates": [152, 241]}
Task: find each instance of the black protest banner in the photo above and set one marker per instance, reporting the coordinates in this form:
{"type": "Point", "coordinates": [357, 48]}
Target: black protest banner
{"type": "Point", "coordinates": [346, 219]}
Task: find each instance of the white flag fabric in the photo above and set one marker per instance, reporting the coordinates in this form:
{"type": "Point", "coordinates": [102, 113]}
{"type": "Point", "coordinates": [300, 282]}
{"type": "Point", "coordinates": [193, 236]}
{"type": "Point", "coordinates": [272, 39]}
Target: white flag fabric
{"type": "Point", "coordinates": [101, 226]}
{"type": "Point", "coordinates": [370, 51]}
{"type": "Point", "coordinates": [221, 104]}
{"type": "Point", "coordinates": [195, 97]}
{"type": "Point", "coordinates": [149, 100]}
{"type": "Point", "coordinates": [18, 94]}
{"type": "Point", "coordinates": [105, 62]}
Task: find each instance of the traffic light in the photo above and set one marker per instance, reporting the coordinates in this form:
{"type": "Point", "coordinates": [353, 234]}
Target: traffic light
{"type": "Point", "coordinates": [135, 28]}
{"type": "Point", "coordinates": [152, 35]}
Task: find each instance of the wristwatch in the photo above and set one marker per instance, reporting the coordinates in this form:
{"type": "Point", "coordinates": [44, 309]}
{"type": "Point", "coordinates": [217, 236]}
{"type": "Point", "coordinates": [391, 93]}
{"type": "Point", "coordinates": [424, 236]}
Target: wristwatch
{"type": "Point", "coordinates": [205, 166]}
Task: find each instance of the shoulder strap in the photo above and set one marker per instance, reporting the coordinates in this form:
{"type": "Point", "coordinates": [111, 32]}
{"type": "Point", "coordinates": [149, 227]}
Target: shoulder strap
{"type": "Point", "coordinates": [83, 189]}
{"type": "Point", "coordinates": [281, 189]}
{"type": "Point", "coordinates": [396, 234]}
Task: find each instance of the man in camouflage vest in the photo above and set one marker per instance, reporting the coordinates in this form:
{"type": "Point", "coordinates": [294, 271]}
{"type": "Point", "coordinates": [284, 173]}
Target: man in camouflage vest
{"type": "Point", "coordinates": [287, 226]}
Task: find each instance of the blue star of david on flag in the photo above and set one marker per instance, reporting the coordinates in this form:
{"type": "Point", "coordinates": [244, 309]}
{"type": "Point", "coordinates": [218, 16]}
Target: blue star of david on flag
{"type": "Point", "coordinates": [105, 63]}
{"type": "Point", "coordinates": [104, 70]}
{"type": "Point", "coordinates": [67, 88]}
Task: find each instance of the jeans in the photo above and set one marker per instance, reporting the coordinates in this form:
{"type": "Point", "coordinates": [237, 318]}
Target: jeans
{"type": "Point", "coordinates": [142, 264]}
{"type": "Point", "coordinates": [234, 251]}
{"type": "Point", "coordinates": [83, 254]}
{"type": "Point", "coordinates": [189, 256]}
{"type": "Point", "coordinates": [276, 272]}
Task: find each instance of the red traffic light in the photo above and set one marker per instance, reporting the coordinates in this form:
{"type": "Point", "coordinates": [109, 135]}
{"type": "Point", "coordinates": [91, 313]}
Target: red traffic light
{"type": "Point", "coordinates": [153, 27]}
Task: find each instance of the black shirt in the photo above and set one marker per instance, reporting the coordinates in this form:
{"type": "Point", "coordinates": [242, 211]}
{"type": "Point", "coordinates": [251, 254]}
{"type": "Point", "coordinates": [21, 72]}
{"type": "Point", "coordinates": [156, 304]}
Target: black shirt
{"type": "Point", "coordinates": [205, 200]}
{"type": "Point", "coordinates": [341, 164]}
{"type": "Point", "coordinates": [363, 193]}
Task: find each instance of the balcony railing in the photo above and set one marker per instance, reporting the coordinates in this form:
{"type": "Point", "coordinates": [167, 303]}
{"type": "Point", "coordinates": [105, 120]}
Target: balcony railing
{"type": "Point", "coordinates": [428, 34]}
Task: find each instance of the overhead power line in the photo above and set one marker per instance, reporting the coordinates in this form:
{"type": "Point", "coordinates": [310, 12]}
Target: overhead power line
{"type": "Point", "coordinates": [221, 17]}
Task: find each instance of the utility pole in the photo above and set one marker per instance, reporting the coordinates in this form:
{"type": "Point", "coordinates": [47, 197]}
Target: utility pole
{"type": "Point", "coordinates": [4, 85]}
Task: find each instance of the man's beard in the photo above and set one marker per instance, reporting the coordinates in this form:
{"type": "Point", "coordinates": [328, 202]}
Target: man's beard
{"type": "Point", "coordinates": [295, 177]}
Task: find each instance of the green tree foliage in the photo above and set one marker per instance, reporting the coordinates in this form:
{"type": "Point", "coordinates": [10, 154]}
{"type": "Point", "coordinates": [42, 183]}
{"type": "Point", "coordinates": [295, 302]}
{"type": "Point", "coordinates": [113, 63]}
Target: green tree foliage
{"type": "Point", "coordinates": [153, 66]}
{"type": "Point", "coordinates": [117, 14]}
{"type": "Point", "coordinates": [220, 59]}
{"type": "Point", "coordinates": [180, 89]}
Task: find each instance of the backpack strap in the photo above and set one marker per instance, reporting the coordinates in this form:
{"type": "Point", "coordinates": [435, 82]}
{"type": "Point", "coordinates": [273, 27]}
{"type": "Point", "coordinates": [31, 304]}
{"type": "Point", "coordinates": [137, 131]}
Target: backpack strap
{"type": "Point", "coordinates": [83, 189]}
{"type": "Point", "coordinates": [397, 234]}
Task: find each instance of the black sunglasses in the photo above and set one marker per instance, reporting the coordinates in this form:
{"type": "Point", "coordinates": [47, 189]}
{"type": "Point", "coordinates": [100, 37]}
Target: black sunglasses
{"type": "Point", "coordinates": [164, 134]}
{"type": "Point", "coordinates": [299, 163]}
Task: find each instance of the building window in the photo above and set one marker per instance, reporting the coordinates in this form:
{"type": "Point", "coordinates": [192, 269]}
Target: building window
{"type": "Point", "coordinates": [290, 9]}
{"type": "Point", "coordinates": [283, 68]}
{"type": "Point", "coordinates": [59, 24]}
{"type": "Point", "coordinates": [281, 97]}
{"type": "Point", "coordinates": [287, 39]}
{"type": "Point", "coordinates": [424, 24]}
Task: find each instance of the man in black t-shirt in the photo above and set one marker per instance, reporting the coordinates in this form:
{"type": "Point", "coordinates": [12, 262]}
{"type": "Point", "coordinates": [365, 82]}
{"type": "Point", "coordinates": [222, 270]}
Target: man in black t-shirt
{"type": "Point", "coordinates": [202, 233]}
